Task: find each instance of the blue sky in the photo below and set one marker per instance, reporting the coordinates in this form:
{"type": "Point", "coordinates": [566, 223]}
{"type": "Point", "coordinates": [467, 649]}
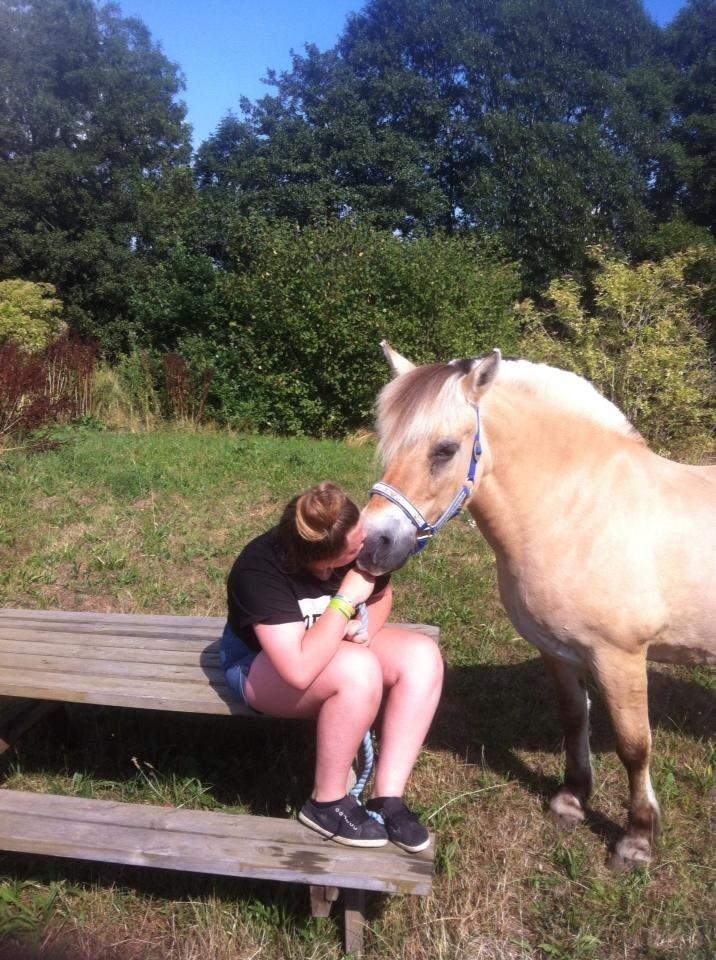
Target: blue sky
{"type": "Point", "coordinates": [224, 47]}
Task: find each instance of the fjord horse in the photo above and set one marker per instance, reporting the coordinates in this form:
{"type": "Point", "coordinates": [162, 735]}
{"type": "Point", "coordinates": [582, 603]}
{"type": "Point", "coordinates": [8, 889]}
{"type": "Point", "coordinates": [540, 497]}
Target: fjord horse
{"type": "Point", "coordinates": [606, 552]}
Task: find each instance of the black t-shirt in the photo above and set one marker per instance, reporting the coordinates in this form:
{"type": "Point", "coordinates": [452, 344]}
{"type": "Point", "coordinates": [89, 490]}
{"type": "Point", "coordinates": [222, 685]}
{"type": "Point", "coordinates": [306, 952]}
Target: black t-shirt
{"type": "Point", "coordinates": [259, 590]}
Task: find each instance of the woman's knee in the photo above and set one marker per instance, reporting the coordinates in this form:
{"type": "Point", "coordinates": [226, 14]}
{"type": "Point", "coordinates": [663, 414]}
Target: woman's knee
{"type": "Point", "coordinates": [355, 668]}
{"type": "Point", "coordinates": [424, 660]}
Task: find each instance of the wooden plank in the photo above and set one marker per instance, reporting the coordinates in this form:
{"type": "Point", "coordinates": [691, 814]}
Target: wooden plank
{"type": "Point", "coordinates": [82, 616]}
{"type": "Point", "coordinates": [202, 842]}
{"type": "Point", "coordinates": [110, 667]}
{"type": "Point", "coordinates": [137, 624]}
{"type": "Point", "coordinates": [322, 899]}
{"type": "Point", "coordinates": [209, 655]}
{"type": "Point", "coordinates": [182, 696]}
{"type": "Point", "coordinates": [117, 630]}
{"type": "Point", "coordinates": [353, 921]}
{"type": "Point", "coordinates": [156, 642]}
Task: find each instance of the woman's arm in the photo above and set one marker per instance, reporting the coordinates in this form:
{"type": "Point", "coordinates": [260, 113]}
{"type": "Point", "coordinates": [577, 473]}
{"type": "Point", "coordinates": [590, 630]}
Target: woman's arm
{"type": "Point", "coordinates": [299, 655]}
{"type": "Point", "coordinates": [379, 608]}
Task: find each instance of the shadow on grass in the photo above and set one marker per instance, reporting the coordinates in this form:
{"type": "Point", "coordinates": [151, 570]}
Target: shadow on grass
{"type": "Point", "coordinates": [490, 713]}
{"type": "Point", "coordinates": [285, 906]}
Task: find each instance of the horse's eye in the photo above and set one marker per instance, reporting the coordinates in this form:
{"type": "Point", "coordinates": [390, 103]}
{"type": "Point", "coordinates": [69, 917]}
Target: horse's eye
{"type": "Point", "coordinates": [444, 450]}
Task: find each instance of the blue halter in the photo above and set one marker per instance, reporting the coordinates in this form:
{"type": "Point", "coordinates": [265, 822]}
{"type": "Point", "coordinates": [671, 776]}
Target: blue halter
{"type": "Point", "coordinates": [426, 531]}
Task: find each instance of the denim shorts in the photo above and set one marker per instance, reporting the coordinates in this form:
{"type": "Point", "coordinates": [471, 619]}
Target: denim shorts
{"type": "Point", "coordinates": [236, 659]}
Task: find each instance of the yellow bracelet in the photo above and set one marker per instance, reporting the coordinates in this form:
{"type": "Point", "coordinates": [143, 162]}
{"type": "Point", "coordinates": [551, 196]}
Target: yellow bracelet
{"type": "Point", "coordinates": [342, 606]}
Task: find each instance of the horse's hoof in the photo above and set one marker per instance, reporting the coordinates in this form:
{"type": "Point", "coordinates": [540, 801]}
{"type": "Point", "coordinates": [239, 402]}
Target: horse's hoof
{"type": "Point", "coordinates": [566, 811]}
{"type": "Point", "coordinates": [631, 853]}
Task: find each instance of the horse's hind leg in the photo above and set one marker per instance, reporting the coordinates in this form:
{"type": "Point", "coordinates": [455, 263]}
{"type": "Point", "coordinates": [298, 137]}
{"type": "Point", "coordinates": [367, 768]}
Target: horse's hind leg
{"type": "Point", "coordinates": [623, 683]}
{"type": "Point", "coordinates": [568, 804]}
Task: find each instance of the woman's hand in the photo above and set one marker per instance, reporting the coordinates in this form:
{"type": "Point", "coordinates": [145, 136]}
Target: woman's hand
{"type": "Point", "coordinates": [356, 632]}
{"type": "Point", "coordinates": [357, 586]}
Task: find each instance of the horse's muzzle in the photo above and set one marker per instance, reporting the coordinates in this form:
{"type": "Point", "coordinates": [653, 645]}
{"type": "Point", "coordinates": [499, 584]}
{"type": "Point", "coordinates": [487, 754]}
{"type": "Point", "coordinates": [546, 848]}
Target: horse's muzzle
{"type": "Point", "coordinates": [386, 548]}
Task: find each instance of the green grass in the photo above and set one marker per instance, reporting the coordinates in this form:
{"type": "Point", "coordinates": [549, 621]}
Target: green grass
{"type": "Point", "coordinates": [151, 523]}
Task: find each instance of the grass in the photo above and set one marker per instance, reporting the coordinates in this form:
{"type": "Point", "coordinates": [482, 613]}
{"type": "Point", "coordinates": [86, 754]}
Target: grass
{"type": "Point", "coordinates": [151, 523]}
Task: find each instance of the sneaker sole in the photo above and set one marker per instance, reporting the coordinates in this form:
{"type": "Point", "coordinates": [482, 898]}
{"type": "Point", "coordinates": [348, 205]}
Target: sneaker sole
{"type": "Point", "coordinates": [346, 841]}
{"type": "Point", "coordinates": [421, 846]}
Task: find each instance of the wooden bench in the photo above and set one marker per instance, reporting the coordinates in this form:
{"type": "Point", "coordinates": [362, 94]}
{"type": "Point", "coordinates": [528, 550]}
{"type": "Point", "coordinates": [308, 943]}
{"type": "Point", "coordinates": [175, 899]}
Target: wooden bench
{"type": "Point", "coordinates": [166, 663]}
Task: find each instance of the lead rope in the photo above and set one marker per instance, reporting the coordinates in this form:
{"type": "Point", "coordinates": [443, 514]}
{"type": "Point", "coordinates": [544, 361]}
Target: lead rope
{"type": "Point", "coordinates": [368, 751]}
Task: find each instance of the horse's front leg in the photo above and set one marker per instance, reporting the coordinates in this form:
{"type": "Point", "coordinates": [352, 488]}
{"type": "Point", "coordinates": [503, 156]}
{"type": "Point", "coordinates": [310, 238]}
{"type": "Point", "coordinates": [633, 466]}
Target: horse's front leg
{"type": "Point", "coordinates": [623, 683]}
{"type": "Point", "coordinates": [568, 806]}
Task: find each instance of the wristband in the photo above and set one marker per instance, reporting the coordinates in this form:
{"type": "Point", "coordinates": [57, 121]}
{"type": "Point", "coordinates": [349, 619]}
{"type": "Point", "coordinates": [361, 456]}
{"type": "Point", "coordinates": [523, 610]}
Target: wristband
{"type": "Point", "coordinates": [342, 605]}
{"type": "Point", "coordinates": [345, 599]}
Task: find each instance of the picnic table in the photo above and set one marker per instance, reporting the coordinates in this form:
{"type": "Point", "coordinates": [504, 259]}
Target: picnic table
{"type": "Point", "coordinates": [50, 657]}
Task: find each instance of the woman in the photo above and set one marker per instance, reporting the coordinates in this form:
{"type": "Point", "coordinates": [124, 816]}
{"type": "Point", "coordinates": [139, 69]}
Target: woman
{"type": "Point", "coordinates": [294, 647]}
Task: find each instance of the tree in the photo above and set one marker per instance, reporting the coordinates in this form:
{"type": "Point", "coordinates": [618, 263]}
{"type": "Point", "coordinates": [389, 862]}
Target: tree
{"type": "Point", "coordinates": [688, 181]}
{"type": "Point", "coordinates": [635, 333]}
{"type": "Point", "coordinates": [538, 120]}
{"type": "Point", "coordinates": [29, 314]}
{"type": "Point", "coordinates": [88, 119]}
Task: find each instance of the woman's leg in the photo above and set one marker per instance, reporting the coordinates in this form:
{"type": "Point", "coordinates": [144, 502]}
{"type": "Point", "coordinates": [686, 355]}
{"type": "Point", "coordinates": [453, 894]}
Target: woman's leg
{"type": "Point", "coordinates": [344, 697]}
{"type": "Point", "coordinates": [412, 668]}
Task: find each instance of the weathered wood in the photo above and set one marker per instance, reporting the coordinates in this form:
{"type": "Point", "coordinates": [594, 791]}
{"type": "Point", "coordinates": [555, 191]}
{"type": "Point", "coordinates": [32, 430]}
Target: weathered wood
{"type": "Point", "coordinates": [159, 695]}
{"type": "Point", "coordinates": [124, 660]}
{"type": "Point", "coordinates": [169, 663]}
{"type": "Point", "coordinates": [119, 652]}
{"type": "Point", "coordinates": [322, 899]}
{"type": "Point", "coordinates": [353, 921]}
{"type": "Point", "coordinates": [122, 624]}
{"type": "Point", "coordinates": [111, 668]}
{"type": "Point", "coordinates": [80, 616]}
{"type": "Point", "coordinates": [113, 632]}
{"type": "Point", "coordinates": [201, 842]}
{"type": "Point", "coordinates": [17, 722]}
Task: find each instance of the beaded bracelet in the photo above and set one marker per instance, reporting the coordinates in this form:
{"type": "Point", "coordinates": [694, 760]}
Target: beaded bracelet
{"type": "Point", "coordinates": [343, 606]}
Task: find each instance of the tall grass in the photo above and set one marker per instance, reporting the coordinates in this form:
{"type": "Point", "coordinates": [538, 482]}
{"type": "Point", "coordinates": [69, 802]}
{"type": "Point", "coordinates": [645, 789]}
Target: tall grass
{"type": "Point", "coordinates": [151, 522]}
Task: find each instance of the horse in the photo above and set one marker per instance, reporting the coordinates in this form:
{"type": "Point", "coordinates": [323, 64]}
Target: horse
{"type": "Point", "coordinates": [606, 552]}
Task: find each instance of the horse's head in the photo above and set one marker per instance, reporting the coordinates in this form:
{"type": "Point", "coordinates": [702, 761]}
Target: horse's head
{"type": "Point", "coordinates": [427, 424]}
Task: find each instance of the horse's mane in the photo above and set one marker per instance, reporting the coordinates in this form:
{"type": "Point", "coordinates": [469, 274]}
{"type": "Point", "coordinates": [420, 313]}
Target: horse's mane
{"type": "Point", "coordinates": [428, 400]}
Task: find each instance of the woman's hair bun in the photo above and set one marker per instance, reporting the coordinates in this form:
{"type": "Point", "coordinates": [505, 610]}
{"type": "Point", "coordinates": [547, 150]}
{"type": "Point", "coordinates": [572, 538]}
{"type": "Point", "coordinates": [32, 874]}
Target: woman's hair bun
{"type": "Point", "coordinates": [318, 510]}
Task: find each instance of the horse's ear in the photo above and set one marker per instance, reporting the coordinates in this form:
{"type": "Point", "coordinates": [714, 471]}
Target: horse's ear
{"type": "Point", "coordinates": [481, 376]}
{"type": "Point", "coordinates": [398, 363]}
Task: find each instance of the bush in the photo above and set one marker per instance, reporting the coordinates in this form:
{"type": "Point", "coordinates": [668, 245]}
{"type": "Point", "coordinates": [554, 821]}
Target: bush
{"type": "Point", "coordinates": [305, 313]}
{"type": "Point", "coordinates": [37, 388]}
{"type": "Point", "coordinates": [186, 390]}
{"type": "Point", "coordinates": [136, 391]}
{"type": "Point", "coordinates": [634, 331]}
{"type": "Point", "coordinates": [29, 314]}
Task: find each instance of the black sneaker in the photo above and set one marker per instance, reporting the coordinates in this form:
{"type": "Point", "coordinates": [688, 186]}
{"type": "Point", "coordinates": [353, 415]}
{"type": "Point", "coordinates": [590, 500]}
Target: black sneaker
{"type": "Point", "coordinates": [344, 821]}
{"type": "Point", "coordinates": [403, 826]}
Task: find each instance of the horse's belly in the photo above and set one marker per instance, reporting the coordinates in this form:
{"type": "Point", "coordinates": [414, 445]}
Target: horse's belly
{"type": "Point", "coordinates": [546, 640]}
{"type": "Point", "coordinates": [553, 647]}
{"type": "Point", "coordinates": [692, 655]}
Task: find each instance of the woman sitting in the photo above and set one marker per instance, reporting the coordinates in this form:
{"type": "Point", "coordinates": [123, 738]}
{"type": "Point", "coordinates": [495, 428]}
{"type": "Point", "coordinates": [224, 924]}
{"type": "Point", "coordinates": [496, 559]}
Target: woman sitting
{"type": "Point", "coordinates": [294, 647]}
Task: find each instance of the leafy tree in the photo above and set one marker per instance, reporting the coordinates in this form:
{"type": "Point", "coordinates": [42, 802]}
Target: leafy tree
{"type": "Point", "coordinates": [30, 314]}
{"type": "Point", "coordinates": [179, 239]}
{"type": "Point", "coordinates": [298, 351]}
{"type": "Point", "coordinates": [689, 179]}
{"type": "Point", "coordinates": [538, 120]}
{"type": "Point", "coordinates": [636, 335]}
{"type": "Point", "coordinates": [88, 119]}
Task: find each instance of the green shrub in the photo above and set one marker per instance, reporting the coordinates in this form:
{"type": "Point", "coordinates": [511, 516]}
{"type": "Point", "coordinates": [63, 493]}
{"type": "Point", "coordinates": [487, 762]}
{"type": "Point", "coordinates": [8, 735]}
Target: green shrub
{"type": "Point", "coordinates": [636, 334]}
{"type": "Point", "coordinates": [29, 314]}
{"type": "Point", "coordinates": [305, 313]}
{"type": "Point", "coordinates": [135, 390]}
